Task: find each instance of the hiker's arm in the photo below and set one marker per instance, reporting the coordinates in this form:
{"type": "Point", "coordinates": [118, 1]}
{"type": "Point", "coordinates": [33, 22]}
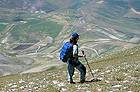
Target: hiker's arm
{"type": "Point", "coordinates": [81, 55]}
{"type": "Point", "coordinates": [75, 56]}
{"type": "Point", "coordinates": [75, 53]}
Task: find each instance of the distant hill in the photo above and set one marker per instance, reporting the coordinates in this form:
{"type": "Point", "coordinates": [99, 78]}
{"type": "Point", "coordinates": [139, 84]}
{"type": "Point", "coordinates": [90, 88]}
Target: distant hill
{"type": "Point", "coordinates": [36, 29]}
{"type": "Point", "coordinates": [119, 71]}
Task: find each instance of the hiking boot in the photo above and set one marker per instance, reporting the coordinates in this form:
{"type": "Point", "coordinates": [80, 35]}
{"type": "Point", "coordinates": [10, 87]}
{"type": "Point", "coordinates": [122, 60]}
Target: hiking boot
{"type": "Point", "coordinates": [72, 82]}
{"type": "Point", "coordinates": [82, 81]}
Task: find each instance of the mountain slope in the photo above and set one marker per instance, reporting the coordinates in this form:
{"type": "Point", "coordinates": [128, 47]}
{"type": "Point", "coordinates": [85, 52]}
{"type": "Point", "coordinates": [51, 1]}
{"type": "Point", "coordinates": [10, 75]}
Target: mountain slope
{"type": "Point", "coordinates": [36, 29]}
{"type": "Point", "coordinates": [33, 31]}
{"type": "Point", "coordinates": [119, 71]}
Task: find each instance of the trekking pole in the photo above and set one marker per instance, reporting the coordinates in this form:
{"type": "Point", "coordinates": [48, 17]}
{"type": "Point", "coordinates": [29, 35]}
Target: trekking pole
{"type": "Point", "coordinates": [87, 64]}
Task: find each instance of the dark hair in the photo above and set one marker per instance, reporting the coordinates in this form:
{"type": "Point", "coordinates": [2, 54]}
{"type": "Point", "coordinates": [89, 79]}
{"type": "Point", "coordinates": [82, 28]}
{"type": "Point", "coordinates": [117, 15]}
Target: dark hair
{"type": "Point", "coordinates": [73, 40]}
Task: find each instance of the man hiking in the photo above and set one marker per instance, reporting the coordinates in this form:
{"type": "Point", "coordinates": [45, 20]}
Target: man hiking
{"type": "Point", "coordinates": [71, 58]}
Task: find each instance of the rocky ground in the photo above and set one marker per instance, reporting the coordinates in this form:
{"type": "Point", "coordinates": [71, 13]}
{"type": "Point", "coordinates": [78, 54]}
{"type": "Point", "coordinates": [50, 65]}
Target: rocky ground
{"type": "Point", "coordinates": [118, 72]}
{"type": "Point", "coordinates": [124, 78]}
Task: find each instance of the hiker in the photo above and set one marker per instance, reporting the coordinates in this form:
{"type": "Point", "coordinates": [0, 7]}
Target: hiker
{"type": "Point", "coordinates": [73, 61]}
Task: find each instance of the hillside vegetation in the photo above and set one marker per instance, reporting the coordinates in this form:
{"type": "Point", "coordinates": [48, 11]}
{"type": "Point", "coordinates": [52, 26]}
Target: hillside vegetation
{"type": "Point", "coordinates": [33, 31]}
{"type": "Point", "coordinates": [117, 72]}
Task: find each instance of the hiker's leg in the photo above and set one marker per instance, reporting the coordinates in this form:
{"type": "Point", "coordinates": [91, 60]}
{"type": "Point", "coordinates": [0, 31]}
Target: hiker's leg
{"type": "Point", "coordinates": [70, 69]}
{"type": "Point", "coordinates": [82, 70]}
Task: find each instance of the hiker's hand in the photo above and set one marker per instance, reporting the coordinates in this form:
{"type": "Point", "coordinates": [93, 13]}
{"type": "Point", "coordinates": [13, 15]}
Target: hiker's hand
{"type": "Point", "coordinates": [83, 53]}
{"type": "Point", "coordinates": [84, 56]}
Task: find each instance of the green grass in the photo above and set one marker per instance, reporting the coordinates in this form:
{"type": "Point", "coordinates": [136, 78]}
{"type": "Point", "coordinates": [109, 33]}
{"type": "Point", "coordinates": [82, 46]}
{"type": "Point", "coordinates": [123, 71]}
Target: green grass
{"type": "Point", "coordinates": [115, 18]}
{"type": "Point", "coordinates": [93, 35]}
{"type": "Point", "coordinates": [52, 1]}
{"type": "Point", "coordinates": [2, 27]}
{"type": "Point", "coordinates": [77, 4]}
{"type": "Point", "coordinates": [122, 24]}
{"type": "Point", "coordinates": [115, 60]}
{"type": "Point", "coordinates": [50, 27]}
{"type": "Point", "coordinates": [118, 64]}
{"type": "Point", "coordinates": [36, 25]}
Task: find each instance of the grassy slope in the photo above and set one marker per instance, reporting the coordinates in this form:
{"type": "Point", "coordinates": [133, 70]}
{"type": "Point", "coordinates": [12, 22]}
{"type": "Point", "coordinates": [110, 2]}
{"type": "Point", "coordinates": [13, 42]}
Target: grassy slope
{"type": "Point", "coordinates": [39, 25]}
{"type": "Point", "coordinates": [2, 26]}
{"type": "Point", "coordinates": [118, 71]}
{"type": "Point", "coordinates": [111, 68]}
{"type": "Point", "coordinates": [114, 18]}
{"type": "Point", "coordinates": [33, 24]}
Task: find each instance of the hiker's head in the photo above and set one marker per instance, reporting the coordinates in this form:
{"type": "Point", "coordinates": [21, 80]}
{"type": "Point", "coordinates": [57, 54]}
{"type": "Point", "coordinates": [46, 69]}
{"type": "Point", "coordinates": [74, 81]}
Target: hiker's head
{"type": "Point", "coordinates": [74, 37]}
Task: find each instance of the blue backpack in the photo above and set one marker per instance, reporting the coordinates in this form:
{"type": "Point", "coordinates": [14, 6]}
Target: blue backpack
{"type": "Point", "coordinates": [66, 51]}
